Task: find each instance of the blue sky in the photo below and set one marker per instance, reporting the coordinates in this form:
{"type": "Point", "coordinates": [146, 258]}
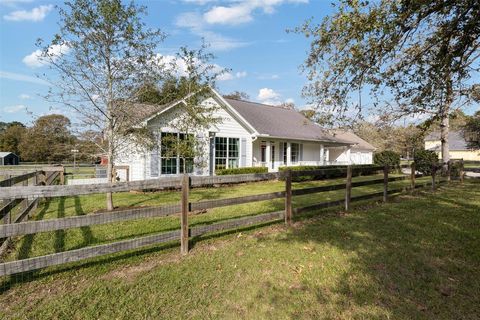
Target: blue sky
{"type": "Point", "coordinates": [248, 37]}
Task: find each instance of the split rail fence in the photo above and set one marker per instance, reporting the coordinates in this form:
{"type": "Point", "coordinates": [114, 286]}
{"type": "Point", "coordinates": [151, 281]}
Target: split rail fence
{"type": "Point", "coordinates": [185, 233]}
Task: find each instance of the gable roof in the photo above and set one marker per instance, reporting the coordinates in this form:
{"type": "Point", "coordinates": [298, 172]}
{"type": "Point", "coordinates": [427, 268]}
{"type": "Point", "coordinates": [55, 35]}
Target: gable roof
{"type": "Point", "coordinates": [359, 143]}
{"type": "Point", "coordinates": [279, 122]}
{"type": "Point", "coordinates": [456, 141]}
{"type": "Point", "coordinates": [4, 154]}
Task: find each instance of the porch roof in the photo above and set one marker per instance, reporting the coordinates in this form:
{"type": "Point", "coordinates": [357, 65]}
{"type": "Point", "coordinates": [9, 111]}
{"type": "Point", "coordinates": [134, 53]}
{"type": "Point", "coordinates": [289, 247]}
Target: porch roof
{"type": "Point", "coordinates": [283, 123]}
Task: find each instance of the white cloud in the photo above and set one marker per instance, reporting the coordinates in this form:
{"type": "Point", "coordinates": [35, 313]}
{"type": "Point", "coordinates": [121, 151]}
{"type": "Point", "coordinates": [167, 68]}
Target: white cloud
{"type": "Point", "coordinates": [24, 96]}
{"type": "Point", "coordinates": [21, 77]}
{"type": "Point", "coordinates": [242, 12]}
{"type": "Point", "coordinates": [269, 96]}
{"type": "Point", "coordinates": [36, 14]}
{"type": "Point", "coordinates": [289, 100]}
{"type": "Point", "coordinates": [241, 74]}
{"type": "Point", "coordinates": [268, 77]}
{"type": "Point", "coordinates": [230, 76]}
{"type": "Point", "coordinates": [14, 109]}
{"type": "Point", "coordinates": [36, 58]}
{"type": "Point", "coordinates": [195, 23]}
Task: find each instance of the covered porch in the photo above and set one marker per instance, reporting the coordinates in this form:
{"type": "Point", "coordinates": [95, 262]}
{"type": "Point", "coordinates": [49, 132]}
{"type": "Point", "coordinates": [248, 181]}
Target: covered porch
{"type": "Point", "coordinates": [276, 153]}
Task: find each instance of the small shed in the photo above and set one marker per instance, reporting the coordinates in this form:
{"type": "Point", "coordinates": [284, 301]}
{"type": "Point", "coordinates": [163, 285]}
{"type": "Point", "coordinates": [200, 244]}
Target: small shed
{"type": "Point", "coordinates": [8, 159]}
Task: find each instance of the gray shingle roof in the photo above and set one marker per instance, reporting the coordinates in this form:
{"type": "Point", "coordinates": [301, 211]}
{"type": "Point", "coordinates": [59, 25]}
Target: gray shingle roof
{"type": "Point", "coordinates": [359, 143]}
{"type": "Point", "coordinates": [456, 141]}
{"type": "Point", "coordinates": [281, 122]}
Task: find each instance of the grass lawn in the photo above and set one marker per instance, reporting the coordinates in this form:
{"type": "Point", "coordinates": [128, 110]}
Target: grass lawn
{"type": "Point", "coordinates": [416, 257]}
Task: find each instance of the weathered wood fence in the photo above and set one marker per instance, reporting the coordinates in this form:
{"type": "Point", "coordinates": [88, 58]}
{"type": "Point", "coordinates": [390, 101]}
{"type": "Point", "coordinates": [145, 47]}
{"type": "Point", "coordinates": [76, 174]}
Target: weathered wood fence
{"type": "Point", "coordinates": [184, 183]}
{"type": "Point", "coordinates": [17, 210]}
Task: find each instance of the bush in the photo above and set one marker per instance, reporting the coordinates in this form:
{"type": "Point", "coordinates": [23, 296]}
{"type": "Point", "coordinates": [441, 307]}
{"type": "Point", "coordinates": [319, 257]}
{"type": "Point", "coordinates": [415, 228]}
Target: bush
{"type": "Point", "coordinates": [330, 172]}
{"type": "Point", "coordinates": [387, 158]}
{"type": "Point", "coordinates": [425, 160]}
{"type": "Point", "coordinates": [224, 172]}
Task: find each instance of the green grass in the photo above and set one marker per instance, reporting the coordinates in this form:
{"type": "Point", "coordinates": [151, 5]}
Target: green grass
{"type": "Point", "coordinates": [417, 257]}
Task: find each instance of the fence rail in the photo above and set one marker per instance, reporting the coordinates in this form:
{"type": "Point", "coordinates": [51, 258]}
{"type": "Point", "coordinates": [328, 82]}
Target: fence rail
{"type": "Point", "coordinates": [182, 209]}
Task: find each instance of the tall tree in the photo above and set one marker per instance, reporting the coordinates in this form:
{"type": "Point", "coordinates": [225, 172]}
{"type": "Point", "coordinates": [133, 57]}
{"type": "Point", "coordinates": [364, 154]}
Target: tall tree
{"type": "Point", "coordinates": [472, 131]}
{"type": "Point", "coordinates": [107, 54]}
{"type": "Point", "coordinates": [49, 139]}
{"type": "Point", "coordinates": [11, 137]}
{"type": "Point", "coordinates": [417, 55]}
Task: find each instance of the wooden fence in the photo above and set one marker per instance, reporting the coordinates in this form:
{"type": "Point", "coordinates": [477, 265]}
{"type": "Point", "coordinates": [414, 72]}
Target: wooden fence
{"type": "Point", "coordinates": [17, 210]}
{"type": "Point", "coordinates": [184, 183]}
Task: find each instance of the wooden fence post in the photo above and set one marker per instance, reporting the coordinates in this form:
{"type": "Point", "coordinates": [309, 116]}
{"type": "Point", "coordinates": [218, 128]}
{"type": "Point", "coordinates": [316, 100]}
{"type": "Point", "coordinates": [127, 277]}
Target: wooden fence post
{"type": "Point", "coordinates": [434, 173]}
{"type": "Point", "coordinates": [348, 188]}
{"type": "Point", "coordinates": [62, 176]}
{"type": "Point", "coordinates": [461, 171]}
{"type": "Point", "coordinates": [184, 215]}
{"type": "Point", "coordinates": [288, 197]}
{"type": "Point", "coordinates": [385, 183]}
{"type": "Point", "coordinates": [412, 176]}
{"type": "Point", "coordinates": [449, 170]}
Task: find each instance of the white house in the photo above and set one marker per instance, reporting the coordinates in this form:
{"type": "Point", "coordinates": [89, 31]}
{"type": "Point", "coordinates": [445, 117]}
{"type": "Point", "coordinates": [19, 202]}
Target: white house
{"type": "Point", "coordinates": [361, 152]}
{"type": "Point", "coordinates": [249, 134]}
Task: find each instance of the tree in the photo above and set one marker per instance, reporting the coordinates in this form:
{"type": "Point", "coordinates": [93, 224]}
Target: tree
{"type": "Point", "coordinates": [237, 95]}
{"type": "Point", "coordinates": [193, 116]}
{"type": "Point", "coordinates": [107, 53]}
{"type": "Point", "coordinates": [11, 137]}
{"type": "Point", "coordinates": [49, 139]}
{"type": "Point", "coordinates": [412, 57]}
{"type": "Point", "coordinates": [472, 131]}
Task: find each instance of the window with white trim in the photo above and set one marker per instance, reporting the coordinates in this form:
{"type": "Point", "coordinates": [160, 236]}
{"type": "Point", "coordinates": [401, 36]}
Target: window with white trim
{"type": "Point", "coordinates": [295, 152]}
{"type": "Point", "coordinates": [227, 152]}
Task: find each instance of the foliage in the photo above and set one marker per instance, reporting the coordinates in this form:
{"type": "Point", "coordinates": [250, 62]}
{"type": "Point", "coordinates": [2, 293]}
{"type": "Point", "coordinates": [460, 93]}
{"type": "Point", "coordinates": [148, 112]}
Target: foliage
{"type": "Point", "coordinates": [411, 57]}
{"type": "Point", "coordinates": [471, 131]}
{"type": "Point", "coordinates": [237, 95]}
{"type": "Point", "coordinates": [11, 137]}
{"type": "Point", "coordinates": [425, 160]}
{"type": "Point", "coordinates": [224, 172]}
{"type": "Point", "coordinates": [329, 172]}
{"type": "Point", "coordinates": [48, 140]}
{"type": "Point", "coordinates": [387, 158]}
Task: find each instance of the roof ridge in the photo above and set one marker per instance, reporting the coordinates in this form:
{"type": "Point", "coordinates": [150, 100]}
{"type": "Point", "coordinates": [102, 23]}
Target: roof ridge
{"type": "Point", "coordinates": [262, 104]}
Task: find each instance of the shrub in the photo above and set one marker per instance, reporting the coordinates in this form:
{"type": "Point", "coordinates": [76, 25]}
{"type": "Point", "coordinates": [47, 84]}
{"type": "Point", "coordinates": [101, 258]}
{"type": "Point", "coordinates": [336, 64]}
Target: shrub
{"type": "Point", "coordinates": [224, 172]}
{"type": "Point", "coordinates": [330, 172]}
{"type": "Point", "coordinates": [425, 160]}
{"type": "Point", "coordinates": [387, 158]}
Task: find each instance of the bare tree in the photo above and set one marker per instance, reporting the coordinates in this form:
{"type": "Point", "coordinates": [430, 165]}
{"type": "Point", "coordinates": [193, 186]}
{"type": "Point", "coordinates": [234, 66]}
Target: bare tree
{"type": "Point", "coordinates": [102, 54]}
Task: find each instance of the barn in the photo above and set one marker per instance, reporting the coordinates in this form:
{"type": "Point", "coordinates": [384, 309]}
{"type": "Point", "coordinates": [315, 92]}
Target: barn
{"type": "Point", "coordinates": [8, 159]}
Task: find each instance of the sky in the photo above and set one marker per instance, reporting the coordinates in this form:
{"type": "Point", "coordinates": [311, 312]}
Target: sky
{"type": "Point", "coordinates": [248, 37]}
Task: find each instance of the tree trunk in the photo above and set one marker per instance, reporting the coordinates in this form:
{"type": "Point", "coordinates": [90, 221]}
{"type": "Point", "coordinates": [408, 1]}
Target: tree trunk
{"type": "Point", "coordinates": [445, 125]}
{"type": "Point", "coordinates": [110, 177]}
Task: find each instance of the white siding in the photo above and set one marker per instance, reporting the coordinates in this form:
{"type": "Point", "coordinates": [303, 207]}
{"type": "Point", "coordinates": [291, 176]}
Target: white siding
{"type": "Point", "coordinates": [139, 161]}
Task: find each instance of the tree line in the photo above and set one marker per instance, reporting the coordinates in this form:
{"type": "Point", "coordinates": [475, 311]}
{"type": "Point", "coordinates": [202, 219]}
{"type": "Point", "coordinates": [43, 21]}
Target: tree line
{"type": "Point", "coordinates": [49, 139]}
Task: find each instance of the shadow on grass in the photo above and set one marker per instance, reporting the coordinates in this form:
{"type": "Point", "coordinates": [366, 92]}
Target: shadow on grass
{"type": "Point", "coordinates": [86, 230]}
{"type": "Point", "coordinates": [409, 259]}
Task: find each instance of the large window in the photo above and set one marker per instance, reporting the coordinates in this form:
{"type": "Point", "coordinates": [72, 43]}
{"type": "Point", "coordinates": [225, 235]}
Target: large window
{"type": "Point", "coordinates": [295, 150]}
{"type": "Point", "coordinates": [171, 162]}
{"type": "Point", "coordinates": [227, 152]}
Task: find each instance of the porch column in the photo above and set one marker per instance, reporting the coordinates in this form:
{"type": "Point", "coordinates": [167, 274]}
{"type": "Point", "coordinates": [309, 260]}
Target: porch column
{"type": "Point", "coordinates": [322, 155]}
{"type": "Point", "coordinates": [327, 156]}
{"type": "Point", "coordinates": [348, 155]}
{"type": "Point", "coordinates": [267, 154]}
{"type": "Point", "coordinates": [289, 153]}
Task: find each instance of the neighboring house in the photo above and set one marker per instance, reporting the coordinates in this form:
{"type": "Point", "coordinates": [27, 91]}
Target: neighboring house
{"type": "Point", "coordinates": [249, 135]}
{"type": "Point", "coordinates": [8, 159]}
{"type": "Point", "coordinates": [458, 146]}
{"type": "Point", "coordinates": [360, 153]}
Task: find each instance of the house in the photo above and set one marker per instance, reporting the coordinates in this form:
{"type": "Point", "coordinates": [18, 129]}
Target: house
{"type": "Point", "coordinates": [458, 146]}
{"type": "Point", "coordinates": [360, 153]}
{"type": "Point", "coordinates": [8, 159]}
{"type": "Point", "coordinates": [249, 135]}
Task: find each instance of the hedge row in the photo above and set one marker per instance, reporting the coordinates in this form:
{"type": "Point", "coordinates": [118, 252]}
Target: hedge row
{"type": "Point", "coordinates": [329, 172]}
{"type": "Point", "coordinates": [224, 172]}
